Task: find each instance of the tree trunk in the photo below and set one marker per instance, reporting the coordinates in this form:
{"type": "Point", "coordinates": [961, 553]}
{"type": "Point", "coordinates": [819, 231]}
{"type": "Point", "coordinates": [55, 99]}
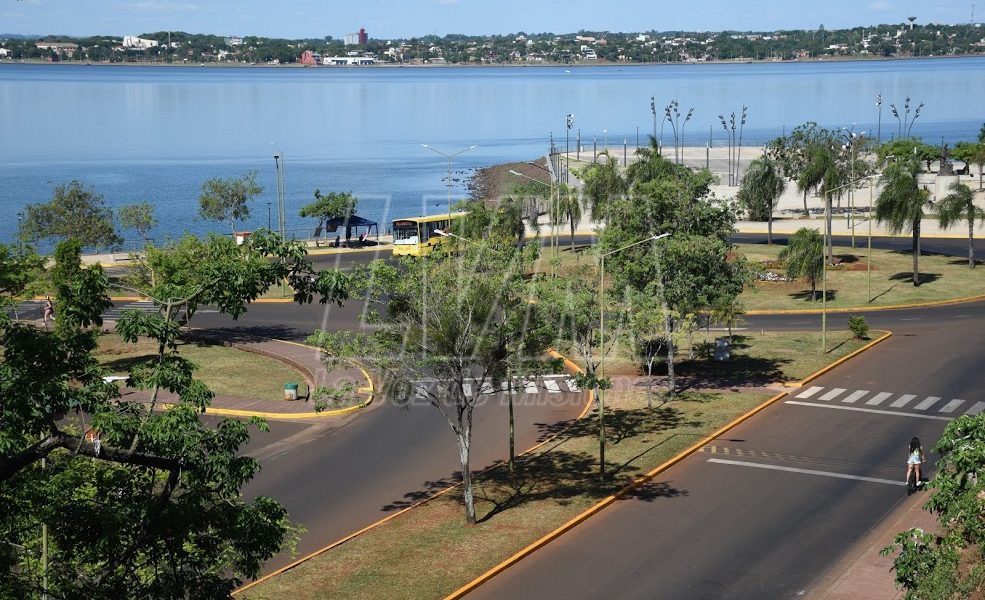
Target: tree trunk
{"type": "Point", "coordinates": [971, 241]}
{"type": "Point", "coordinates": [669, 330]}
{"type": "Point", "coordinates": [813, 290]}
{"type": "Point", "coordinates": [572, 221]}
{"type": "Point", "coordinates": [601, 397]}
{"type": "Point", "coordinates": [509, 395]}
{"type": "Point", "coordinates": [916, 252]}
{"type": "Point", "coordinates": [464, 449]}
{"type": "Point", "coordinates": [769, 228]}
{"type": "Point", "coordinates": [649, 382]}
{"type": "Point", "coordinates": [807, 213]}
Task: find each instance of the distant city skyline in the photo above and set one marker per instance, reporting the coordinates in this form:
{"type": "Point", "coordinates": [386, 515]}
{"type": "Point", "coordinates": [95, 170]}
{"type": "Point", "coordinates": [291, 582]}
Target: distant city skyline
{"type": "Point", "coordinates": [384, 19]}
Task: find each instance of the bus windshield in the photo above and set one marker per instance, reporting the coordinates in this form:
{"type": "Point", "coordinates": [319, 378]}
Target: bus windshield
{"type": "Point", "coordinates": [405, 232]}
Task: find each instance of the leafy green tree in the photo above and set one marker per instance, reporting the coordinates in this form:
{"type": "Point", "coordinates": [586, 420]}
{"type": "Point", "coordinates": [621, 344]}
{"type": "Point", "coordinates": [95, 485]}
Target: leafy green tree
{"type": "Point", "coordinates": [858, 326]}
{"type": "Point", "coordinates": [948, 565]}
{"type": "Point", "coordinates": [959, 205]}
{"type": "Point", "coordinates": [75, 211]}
{"type": "Point", "coordinates": [228, 199]}
{"type": "Point", "coordinates": [762, 186]}
{"type": "Point", "coordinates": [20, 267]}
{"type": "Point", "coordinates": [602, 184]}
{"type": "Point", "coordinates": [139, 217]}
{"type": "Point", "coordinates": [137, 502]}
{"type": "Point", "coordinates": [901, 203]}
{"type": "Point", "coordinates": [972, 154]}
{"type": "Point", "coordinates": [644, 332]}
{"type": "Point", "coordinates": [793, 152]}
{"type": "Point", "coordinates": [334, 205]}
{"type": "Point", "coordinates": [572, 306]}
{"type": "Point", "coordinates": [442, 317]}
{"type": "Point", "coordinates": [804, 257]}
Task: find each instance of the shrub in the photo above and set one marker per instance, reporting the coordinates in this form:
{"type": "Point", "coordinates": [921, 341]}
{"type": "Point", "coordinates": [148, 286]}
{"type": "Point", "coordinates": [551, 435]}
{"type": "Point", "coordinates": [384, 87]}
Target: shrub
{"type": "Point", "coordinates": [859, 327]}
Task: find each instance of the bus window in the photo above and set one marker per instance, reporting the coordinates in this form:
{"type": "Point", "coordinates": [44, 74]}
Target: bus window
{"type": "Point", "coordinates": [430, 228]}
{"type": "Point", "coordinates": [405, 232]}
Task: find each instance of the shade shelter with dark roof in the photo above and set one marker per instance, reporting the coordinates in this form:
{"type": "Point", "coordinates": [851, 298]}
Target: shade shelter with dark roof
{"type": "Point", "coordinates": [349, 223]}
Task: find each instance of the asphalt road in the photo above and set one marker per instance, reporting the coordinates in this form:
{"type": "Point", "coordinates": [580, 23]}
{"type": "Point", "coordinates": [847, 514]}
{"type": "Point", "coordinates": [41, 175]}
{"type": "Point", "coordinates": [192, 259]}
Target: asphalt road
{"type": "Point", "coordinates": [338, 475]}
{"type": "Point", "coordinates": [734, 529]}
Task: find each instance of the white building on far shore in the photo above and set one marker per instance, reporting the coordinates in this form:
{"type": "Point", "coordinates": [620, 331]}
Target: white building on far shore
{"type": "Point", "coordinates": [132, 41]}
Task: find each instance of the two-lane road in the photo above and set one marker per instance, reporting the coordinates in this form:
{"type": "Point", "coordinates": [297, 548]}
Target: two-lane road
{"type": "Point", "coordinates": [765, 509]}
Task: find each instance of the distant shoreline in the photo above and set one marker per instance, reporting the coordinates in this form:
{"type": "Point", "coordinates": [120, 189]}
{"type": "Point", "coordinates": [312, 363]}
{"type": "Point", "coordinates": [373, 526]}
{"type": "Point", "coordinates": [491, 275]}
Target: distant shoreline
{"type": "Point", "coordinates": [384, 65]}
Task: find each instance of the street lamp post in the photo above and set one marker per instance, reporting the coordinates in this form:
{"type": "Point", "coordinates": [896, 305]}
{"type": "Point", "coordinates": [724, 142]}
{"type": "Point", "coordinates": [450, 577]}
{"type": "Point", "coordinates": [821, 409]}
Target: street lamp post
{"type": "Point", "coordinates": [281, 210]}
{"type": "Point", "coordinates": [553, 212]}
{"type": "Point", "coordinates": [567, 147]}
{"type": "Point", "coordinates": [449, 157]}
{"type": "Point", "coordinates": [268, 215]}
{"type": "Point", "coordinates": [602, 342]}
{"type": "Point", "coordinates": [879, 126]}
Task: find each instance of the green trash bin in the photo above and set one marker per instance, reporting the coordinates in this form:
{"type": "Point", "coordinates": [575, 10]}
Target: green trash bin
{"type": "Point", "coordinates": [290, 391]}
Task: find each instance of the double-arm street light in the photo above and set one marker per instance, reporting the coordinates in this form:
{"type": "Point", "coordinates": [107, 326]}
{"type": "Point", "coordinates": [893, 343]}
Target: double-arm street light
{"type": "Point", "coordinates": [553, 210]}
{"type": "Point", "coordinates": [602, 341]}
{"type": "Point", "coordinates": [824, 261]}
{"type": "Point", "coordinates": [449, 157]}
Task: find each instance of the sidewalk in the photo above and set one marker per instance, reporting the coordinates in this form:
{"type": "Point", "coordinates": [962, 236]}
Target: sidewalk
{"type": "Point", "coordinates": [862, 572]}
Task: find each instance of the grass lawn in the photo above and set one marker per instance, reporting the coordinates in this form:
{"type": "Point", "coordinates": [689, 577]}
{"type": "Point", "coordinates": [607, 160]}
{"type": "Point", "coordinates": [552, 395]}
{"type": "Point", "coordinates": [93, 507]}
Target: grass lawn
{"type": "Point", "coordinates": [942, 277]}
{"type": "Point", "coordinates": [429, 552]}
{"type": "Point", "coordinates": [228, 372]}
{"type": "Point", "coordinates": [758, 358]}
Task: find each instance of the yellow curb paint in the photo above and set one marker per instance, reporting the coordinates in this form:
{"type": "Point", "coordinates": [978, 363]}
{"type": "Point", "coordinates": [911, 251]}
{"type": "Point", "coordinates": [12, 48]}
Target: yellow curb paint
{"type": "Point", "coordinates": [543, 541]}
{"type": "Point", "coordinates": [859, 309]}
{"type": "Point", "coordinates": [371, 526]}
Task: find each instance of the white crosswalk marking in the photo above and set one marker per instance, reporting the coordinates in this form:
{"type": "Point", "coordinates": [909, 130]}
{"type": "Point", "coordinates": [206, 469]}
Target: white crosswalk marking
{"type": "Point", "coordinates": [950, 406]}
{"type": "Point", "coordinates": [854, 396]}
{"type": "Point", "coordinates": [530, 387]}
{"type": "Point", "coordinates": [467, 389]}
{"type": "Point", "coordinates": [878, 398]}
{"type": "Point", "coordinates": [486, 388]}
{"type": "Point", "coordinates": [572, 385]}
{"type": "Point", "coordinates": [809, 392]}
{"type": "Point", "coordinates": [902, 401]}
{"type": "Point", "coordinates": [832, 394]}
{"type": "Point", "coordinates": [927, 402]}
{"type": "Point", "coordinates": [976, 409]}
{"type": "Point", "coordinates": [552, 386]}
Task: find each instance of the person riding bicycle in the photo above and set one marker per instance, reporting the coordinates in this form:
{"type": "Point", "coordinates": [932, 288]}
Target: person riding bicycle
{"type": "Point", "coordinates": [913, 460]}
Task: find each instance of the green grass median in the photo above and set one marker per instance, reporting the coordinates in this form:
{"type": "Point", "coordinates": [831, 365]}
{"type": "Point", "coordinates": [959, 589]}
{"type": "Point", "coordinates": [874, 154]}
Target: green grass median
{"type": "Point", "coordinates": [229, 372]}
{"type": "Point", "coordinates": [429, 551]}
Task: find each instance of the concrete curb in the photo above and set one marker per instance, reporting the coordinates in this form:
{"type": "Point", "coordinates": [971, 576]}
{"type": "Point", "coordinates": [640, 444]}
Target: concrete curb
{"type": "Point", "coordinates": [554, 353]}
{"type": "Point", "coordinates": [817, 311]}
{"type": "Point", "coordinates": [474, 584]}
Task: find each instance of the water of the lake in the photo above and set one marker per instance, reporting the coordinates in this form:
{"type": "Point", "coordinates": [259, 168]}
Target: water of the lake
{"type": "Point", "coordinates": [136, 133]}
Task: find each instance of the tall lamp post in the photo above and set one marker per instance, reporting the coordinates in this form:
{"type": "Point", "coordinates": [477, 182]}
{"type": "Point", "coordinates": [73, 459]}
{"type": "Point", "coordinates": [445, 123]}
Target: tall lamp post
{"type": "Point", "coordinates": [554, 210]}
{"type": "Point", "coordinates": [879, 126]}
{"type": "Point", "coordinates": [824, 260]}
{"type": "Point", "coordinates": [281, 210]}
{"type": "Point", "coordinates": [449, 157]}
{"type": "Point", "coordinates": [602, 342]}
{"type": "Point", "coordinates": [567, 146]}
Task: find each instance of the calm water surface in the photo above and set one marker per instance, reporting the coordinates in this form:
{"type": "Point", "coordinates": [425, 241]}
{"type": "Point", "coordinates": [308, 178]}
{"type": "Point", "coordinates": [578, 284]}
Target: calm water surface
{"type": "Point", "coordinates": [137, 133]}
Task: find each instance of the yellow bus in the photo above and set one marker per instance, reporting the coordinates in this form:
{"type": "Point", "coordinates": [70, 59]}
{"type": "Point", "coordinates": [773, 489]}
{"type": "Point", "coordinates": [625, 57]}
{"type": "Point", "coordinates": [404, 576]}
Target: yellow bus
{"type": "Point", "coordinates": [416, 236]}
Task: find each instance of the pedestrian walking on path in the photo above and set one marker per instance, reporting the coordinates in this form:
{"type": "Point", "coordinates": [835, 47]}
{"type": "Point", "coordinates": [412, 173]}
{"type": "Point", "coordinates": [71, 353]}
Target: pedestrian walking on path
{"type": "Point", "coordinates": [49, 311]}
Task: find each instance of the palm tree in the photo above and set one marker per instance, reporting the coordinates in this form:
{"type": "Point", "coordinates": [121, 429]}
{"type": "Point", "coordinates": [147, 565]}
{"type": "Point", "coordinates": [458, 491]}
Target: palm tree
{"type": "Point", "coordinates": [901, 203]}
{"type": "Point", "coordinates": [602, 183]}
{"type": "Point", "coordinates": [957, 206]}
{"type": "Point", "coordinates": [762, 185]}
{"type": "Point", "coordinates": [569, 209]}
{"type": "Point", "coordinates": [821, 172]}
{"type": "Point", "coordinates": [804, 256]}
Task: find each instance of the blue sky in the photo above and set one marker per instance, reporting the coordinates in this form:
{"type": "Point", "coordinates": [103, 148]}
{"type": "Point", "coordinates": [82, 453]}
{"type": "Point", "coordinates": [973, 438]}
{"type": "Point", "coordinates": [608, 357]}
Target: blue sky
{"type": "Point", "coordinates": [407, 18]}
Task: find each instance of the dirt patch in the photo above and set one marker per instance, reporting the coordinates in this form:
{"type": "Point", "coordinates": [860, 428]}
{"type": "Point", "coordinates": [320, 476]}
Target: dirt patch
{"type": "Point", "coordinates": [491, 183]}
